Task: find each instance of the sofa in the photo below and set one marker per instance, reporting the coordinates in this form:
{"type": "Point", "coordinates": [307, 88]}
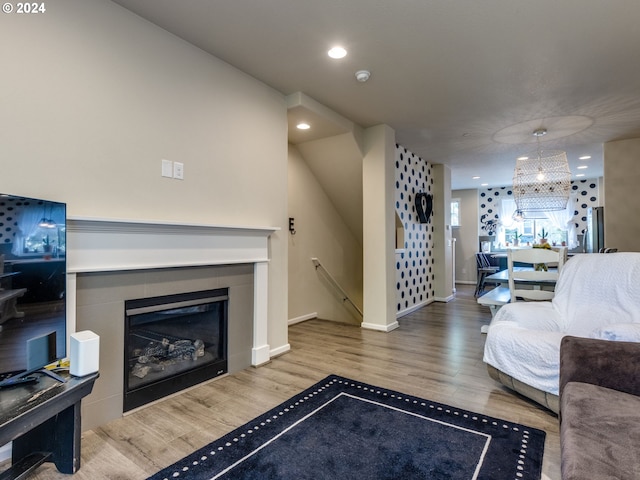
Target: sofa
{"type": "Point", "coordinates": [596, 296]}
{"type": "Point", "coordinates": [599, 409]}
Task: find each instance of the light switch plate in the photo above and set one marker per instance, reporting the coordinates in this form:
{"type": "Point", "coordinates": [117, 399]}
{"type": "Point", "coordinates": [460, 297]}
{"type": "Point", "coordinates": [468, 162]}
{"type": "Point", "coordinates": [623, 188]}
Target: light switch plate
{"type": "Point", "coordinates": [167, 168]}
{"type": "Point", "coordinates": [178, 170]}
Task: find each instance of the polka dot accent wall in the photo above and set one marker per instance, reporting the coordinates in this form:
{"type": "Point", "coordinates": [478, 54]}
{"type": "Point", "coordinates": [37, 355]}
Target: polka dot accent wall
{"type": "Point", "coordinates": [584, 193]}
{"type": "Point", "coordinates": [414, 263]}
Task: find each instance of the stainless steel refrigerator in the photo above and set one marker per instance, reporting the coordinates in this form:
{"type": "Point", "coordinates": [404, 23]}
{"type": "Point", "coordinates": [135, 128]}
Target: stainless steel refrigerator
{"type": "Point", "coordinates": [594, 235]}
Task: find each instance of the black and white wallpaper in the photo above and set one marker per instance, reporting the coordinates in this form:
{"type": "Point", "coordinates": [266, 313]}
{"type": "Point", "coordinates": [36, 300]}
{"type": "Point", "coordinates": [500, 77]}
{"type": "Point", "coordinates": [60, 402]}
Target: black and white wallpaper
{"type": "Point", "coordinates": [414, 264]}
{"type": "Point", "coordinates": [585, 194]}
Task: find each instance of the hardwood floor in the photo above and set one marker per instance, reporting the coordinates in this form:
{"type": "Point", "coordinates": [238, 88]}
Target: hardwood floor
{"type": "Point", "coordinates": [436, 354]}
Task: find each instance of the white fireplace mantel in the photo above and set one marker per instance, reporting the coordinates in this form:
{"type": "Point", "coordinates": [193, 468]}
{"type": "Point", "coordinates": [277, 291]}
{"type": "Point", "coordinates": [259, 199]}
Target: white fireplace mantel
{"type": "Point", "coordinates": [108, 245]}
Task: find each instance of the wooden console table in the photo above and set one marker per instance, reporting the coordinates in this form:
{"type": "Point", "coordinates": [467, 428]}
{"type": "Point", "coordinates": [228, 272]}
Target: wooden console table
{"type": "Point", "coordinates": [43, 421]}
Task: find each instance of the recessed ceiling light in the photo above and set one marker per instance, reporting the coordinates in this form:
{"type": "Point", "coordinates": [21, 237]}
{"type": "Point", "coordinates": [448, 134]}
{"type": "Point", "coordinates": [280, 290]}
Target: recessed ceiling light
{"type": "Point", "coordinates": [522, 158]}
{"type": "Point", "coordinates": [584, 157]}
{"type": "Point", "coordinates": [484, 184]}
{"type": "Point", "coordinates": [580, 175]}
{"type": "Point", "coordinates": [337, 52]}
{"type": "Point", "coordinates": [303, 126]}
{"type": "Point", "coordinates": [475, 178]}
{"type": "Point", "coordinates": [582, 167]}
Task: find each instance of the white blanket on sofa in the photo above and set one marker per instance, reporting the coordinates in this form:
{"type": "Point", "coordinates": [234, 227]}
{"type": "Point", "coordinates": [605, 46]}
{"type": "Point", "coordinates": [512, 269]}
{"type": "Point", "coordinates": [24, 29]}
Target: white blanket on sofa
{"type": "Point", "coordinates": [597, 296]}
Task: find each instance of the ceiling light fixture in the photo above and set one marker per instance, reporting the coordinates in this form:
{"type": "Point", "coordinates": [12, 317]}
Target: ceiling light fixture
{"type": "Point", "coordinates": [580, 175]}
{"type": "Point", "coordinates": [303, 126]}
{"type": "Point", "coordinates": [542, 183]}
{"type": "Point", "coordinates": [337, 52]}
{"type": "Point", "coordinates": [582, 167]}
{"type": "Point", "coordinates": [475, 178]}
{"type": "Point", "coordinates": [584, 157]}
{"type": "Point", "coordinates": [518, 215]}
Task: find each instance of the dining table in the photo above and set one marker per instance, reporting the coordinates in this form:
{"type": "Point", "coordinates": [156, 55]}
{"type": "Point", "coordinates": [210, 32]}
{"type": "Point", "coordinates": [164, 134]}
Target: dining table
{"type": "Point", "coordinates": [502, 277]}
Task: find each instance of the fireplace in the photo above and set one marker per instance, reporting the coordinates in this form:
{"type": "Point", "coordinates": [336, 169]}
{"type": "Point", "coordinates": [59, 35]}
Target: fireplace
{"type": "Point", "coordinates": [173, 342]}
{"type": "Point", "coordinates": [109, 259]}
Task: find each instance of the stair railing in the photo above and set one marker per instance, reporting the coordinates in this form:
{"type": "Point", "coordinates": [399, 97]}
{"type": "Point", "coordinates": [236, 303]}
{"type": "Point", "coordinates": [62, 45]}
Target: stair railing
{"type": "Point", "coordinates": [336, 285]}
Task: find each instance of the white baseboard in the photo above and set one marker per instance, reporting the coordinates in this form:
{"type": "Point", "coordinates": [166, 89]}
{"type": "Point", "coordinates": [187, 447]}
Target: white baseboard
{"type": "Point", "coordinates": [302, 318]}
{"type": "Point", "coordinates": [279, 351]}
{"type": "Point", "coordinates": [417, 306]}
{"type": "Point", "coordinates": [466, 282]}
{"type": "Point", "coordinates": [380, 328]}
{"type": "Point", "coordinates": [444, 299]}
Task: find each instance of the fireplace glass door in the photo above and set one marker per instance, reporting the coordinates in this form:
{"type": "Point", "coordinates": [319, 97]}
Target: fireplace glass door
{"type": "Point", "coordinates": [173, 342]}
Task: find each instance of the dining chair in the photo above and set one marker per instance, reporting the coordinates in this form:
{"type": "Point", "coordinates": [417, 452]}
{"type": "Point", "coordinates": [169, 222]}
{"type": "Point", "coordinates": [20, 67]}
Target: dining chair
{"type": "Point", "coordinates": [531, 257]}
{"type": "Point", "coordinates": [484, 268]}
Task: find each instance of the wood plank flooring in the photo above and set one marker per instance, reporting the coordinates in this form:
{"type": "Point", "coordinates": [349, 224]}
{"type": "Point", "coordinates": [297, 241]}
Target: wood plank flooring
{"type": "Point", "coordinates": [435, 354]}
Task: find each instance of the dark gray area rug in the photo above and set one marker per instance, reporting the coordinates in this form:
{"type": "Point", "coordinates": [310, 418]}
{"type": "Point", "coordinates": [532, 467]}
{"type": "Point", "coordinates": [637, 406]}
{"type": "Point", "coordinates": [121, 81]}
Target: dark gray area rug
{"type": "Point", "coordinates": [341, 428]}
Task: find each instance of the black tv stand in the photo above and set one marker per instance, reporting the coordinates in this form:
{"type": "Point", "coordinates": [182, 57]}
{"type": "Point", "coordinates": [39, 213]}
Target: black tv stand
{"type": "Point", "coordinates": [43, 421]}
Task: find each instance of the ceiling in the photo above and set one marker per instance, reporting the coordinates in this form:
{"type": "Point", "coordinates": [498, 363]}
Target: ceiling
{"type": "Point", "coordinates": [464, 83]}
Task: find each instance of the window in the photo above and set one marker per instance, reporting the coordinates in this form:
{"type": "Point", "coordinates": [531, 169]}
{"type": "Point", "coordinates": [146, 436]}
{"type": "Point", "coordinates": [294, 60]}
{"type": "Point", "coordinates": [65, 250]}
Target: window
{"type": "Point", "coordinates": [455, 212]}
{"type": "Point", "coordinates": [531, 231]}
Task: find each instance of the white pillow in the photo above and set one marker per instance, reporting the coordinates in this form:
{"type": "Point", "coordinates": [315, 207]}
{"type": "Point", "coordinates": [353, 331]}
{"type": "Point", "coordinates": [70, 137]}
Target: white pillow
{"type": "Point", "coordinates": [621, 332]}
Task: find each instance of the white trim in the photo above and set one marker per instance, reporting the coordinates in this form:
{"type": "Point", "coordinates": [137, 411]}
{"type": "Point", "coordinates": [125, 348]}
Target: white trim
{"type": "Point", "coordinates": [302, 318]}
{"type": "Point", "coordinates": [444, 299]}
{"type": "Point", "coordinates": [280, 350]}
{"type": "Point", "coordinates": [108, 245]}
{"type": "Point", "coordinates": [102, 245]}
{"type": "Point", "coordinates": [380, 328]}
{"type": "Point", "coordinates": [260, 350]}
{"type": "Point", "coordinates": [417, 306]}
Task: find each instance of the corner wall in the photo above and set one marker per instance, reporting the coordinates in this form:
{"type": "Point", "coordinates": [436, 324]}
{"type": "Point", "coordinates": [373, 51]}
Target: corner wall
{"type": "Point", "coordinates": [95, 97]}
{"type": "Point", "coordinates": [415, 276]}
{"type": "Point", "coordinates": [621, 180]}
{"type": "Point", "coordinates": [320, 232]}
{"type": "Point", "coordinates": [466, 236]}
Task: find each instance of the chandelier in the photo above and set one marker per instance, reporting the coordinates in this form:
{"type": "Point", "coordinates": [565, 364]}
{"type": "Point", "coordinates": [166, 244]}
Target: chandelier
{"type": "Point", "coordinates": [542, 181]}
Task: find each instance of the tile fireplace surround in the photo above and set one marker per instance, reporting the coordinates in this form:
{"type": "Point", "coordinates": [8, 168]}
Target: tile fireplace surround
{"type": "Point", "coordinates": [109, 261]}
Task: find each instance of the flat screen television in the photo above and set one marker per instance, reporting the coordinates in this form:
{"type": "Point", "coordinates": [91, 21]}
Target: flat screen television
{"type": "Point", "coordinates": [33, 268]}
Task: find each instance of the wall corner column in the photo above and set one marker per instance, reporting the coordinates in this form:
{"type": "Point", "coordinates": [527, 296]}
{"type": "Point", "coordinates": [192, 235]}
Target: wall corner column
{"type": "Point", "coordinates": [443, 243]}
{"type": "Point", "coordinates": [378, 173]}
{"type": "Point", "coordinates": [260, 353]}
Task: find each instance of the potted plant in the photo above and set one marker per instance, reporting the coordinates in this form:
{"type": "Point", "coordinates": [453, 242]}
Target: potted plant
{"type": "Point", "coordinates": [543, 236]}
{"type": "Point", "coordinates": [516, 238]}
{"type": "Point", "coordinates": [46, 245]}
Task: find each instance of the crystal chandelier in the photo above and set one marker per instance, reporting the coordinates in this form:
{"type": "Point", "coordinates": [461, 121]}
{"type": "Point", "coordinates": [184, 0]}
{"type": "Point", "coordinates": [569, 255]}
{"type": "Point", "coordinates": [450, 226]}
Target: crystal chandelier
{"type": "Point", "coordinates": [542, 182]}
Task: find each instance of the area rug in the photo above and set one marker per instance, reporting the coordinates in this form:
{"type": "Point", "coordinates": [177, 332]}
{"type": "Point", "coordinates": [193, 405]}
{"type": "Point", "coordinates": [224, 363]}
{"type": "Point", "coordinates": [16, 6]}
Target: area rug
{"type": "Point", "coordinates": [345, 429]}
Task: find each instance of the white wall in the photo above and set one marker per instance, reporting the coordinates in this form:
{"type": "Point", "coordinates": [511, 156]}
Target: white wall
{"type": "Point", "coordinates": [442, 234]}
{"type": "Point", "coordinates": [320, 232]}
{"type": "Point", "coordinates": [621, 179]}
{"type": "Point", "coordinates": [466, 236]}
{"type": "Point", "coordinates": [93, 97]}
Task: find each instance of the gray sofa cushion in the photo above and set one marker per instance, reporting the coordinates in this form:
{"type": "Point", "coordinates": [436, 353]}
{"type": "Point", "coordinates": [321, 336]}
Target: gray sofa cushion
{"type": "Point", "coordinates": [599, 433]}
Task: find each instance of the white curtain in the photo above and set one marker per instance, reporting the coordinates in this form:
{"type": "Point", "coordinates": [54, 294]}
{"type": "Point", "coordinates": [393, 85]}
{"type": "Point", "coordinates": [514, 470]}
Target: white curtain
{"type": "Point", "coordinates": [28, 220]}
{"type": "Point", "coordinates": [563, 219]}
{"type": "Point", "coordinates": [507, 207]}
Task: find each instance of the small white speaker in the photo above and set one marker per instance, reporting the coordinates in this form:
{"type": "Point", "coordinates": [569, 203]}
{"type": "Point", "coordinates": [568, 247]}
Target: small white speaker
{"type": "Point", "coordinates": [84, 355]}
